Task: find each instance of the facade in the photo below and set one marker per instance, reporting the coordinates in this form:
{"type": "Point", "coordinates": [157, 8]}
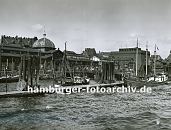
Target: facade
{"type": "Point", "coordinates": [125, 60]}
{"type": "Point", "coordinates": [17, 54]}
{"type": "Point", "coordinates": [168, 65]}
{"type": "Point", "coordinates": [81, 65]}
{"type": "Point", "coordinates": [89, 52]}
{"type": "Point", "coordinates": [46, 59]}
{"type": "Point", "coordinates": [13, 50]}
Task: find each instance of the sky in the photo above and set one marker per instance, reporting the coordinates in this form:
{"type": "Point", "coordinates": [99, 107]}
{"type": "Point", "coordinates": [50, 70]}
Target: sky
{"type": "Point", "coordinates": [105, 25]}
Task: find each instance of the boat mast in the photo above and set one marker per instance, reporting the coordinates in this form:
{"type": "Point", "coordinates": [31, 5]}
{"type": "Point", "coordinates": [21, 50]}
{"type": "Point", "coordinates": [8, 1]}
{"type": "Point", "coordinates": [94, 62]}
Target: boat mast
{"type": "Point", "coordinates": [136, 69]}
{"type": "Point", "coordinates": [146, 60]}
{"type": "Point", "coordinates": [155, 61]}
{"type": "Point", "coordinates": [0, 56]}
{"type": "Point", "coordinates": [65, 62]}
{"type": "Point", "coordinates": [53, 69]}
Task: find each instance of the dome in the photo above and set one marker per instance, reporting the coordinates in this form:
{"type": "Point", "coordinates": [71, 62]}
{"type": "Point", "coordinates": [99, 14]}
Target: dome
{"type": "Point", "coordinates": [44, 43]}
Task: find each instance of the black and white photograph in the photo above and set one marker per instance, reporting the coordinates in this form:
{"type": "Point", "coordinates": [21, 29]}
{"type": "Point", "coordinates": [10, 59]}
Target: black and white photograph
{"type": "Point", "coordinates": [85, 64]}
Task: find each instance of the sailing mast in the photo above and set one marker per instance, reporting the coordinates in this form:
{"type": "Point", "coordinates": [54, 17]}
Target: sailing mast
{"type": "Point", "coordinates": [136, 69]}
{"type": "Point", "coordinates": [155, 61]}
{"type": "Point", "coordinates": [53, 69]}
{"type": "Point", "coordinates": [65, 61]}
{"type": "Point", "coordinates": [146, 69]}
{"type": "Point", "coordinates": [0, 56]}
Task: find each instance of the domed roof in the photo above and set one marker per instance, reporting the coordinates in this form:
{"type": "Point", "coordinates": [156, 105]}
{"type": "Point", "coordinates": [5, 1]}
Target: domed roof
{"type": "Point", "coordinates": [43, 43]}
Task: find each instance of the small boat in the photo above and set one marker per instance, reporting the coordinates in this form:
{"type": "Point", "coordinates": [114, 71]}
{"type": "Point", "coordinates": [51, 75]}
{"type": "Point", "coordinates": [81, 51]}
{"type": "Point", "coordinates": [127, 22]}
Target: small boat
{"type": "Point", "coordinates": [78, 80]}
{"type": "Point", "coordinates": [81, 80]}
{"type": "Point", "coordinates": [157, 79]}
{"type": "Point", "coordinates": [9, 79]}
{"type": "Point", "coordinates": [67, 81]}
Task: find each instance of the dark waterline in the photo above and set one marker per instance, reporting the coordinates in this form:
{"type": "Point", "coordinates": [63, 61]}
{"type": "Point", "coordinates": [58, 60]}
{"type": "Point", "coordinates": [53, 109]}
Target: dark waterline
{"type": "Point", "coordinates": [128, 111]}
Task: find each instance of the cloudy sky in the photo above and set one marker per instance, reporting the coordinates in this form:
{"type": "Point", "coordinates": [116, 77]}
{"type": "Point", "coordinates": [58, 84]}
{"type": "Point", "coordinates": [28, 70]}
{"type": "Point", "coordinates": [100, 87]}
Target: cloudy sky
{"type": "Point", "coordinates": [104, 24]}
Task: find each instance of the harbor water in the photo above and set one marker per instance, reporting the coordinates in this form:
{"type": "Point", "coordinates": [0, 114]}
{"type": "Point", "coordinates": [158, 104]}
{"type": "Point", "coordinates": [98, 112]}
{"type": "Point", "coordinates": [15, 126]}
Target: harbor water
{"type": "Point", "coordinates": [82, 111]}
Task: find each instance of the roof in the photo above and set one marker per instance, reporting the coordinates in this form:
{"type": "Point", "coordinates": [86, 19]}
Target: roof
{"type": "Point", "coordinates": [70, 53]}
{"type": "Point", "coordinates": [17, 42]}
{"type": "Point", "coordinates": [44, 43]}
{"type": "Point", "coordinates": [19, 49]}
{"type": "Point", "coordinates": [168, 59]}
{"type": "Point", "coordinates": [90, 52]}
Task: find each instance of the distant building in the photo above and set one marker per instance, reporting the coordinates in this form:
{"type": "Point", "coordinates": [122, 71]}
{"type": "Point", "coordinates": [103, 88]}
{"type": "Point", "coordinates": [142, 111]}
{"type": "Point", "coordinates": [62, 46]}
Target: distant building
{"type": "Point", "coordinates": [95, 58]}
{"type": "Point", "coordinates": [168, 59]}
{"type": "Point", "coordinates": [159, 64]}
{"type": "Point", "coordinates": [168, 65]}
{"type": "Point", "coordinates": [89, 52]}
{"type": "Point", "coordinates": [81, 65]}
{"type": "Point", "coordinates": [125, 59]}
{"type": "Point", "coordinates": [14, 49]}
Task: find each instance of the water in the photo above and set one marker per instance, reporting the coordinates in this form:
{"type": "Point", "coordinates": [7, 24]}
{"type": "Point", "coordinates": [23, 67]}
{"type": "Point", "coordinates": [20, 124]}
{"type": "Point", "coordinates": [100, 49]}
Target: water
{"type": "Point", "coordinates": [89, 111]}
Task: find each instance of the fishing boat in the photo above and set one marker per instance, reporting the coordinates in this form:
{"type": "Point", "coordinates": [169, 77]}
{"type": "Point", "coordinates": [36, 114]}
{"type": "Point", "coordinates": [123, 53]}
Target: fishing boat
{"type": "Point", "coordinates": [9, 76]}
{"type": "Point", "coordinates": [155, 80]}
{"type": "Point", "coordinates": [81, 80]}
{"type": "Point", "coordinates": [9, 79]}
{"type": "Point", "coordinates": [135, 80]}
{"type": "Point", "coordinates": [65, 78]}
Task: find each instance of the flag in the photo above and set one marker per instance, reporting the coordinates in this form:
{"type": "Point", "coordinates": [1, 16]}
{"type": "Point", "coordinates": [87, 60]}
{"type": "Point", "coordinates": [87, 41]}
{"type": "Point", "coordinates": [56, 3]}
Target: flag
{"type": "Point", "coordinates": [157, 48]}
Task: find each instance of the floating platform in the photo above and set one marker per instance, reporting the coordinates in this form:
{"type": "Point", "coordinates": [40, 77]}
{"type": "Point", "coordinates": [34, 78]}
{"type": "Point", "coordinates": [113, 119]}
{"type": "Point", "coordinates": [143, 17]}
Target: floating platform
{"type": "Point", "coordinates": [19, 94]}
{"type": "Point", "coordinates": [14, 94]}
{"type": "Point", "coordinates": [117, 83]}
{"type": "Point", "coordinates": [9, 79]}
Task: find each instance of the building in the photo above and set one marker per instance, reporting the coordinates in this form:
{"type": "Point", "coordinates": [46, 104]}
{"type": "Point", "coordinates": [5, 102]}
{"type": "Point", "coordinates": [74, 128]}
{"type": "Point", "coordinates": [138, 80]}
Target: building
{"type": "Point", "coordinates": [167, 65]}
{"type": "Point", "coordinates": [81, 65]}
{"type": "Point", "coordinates": [159, 64]}
{"type": "Point", "coordinates": [89, 52]}
{"type": "Point", "coordinates": [14, 50]}
{"type": "Point", "coordinates": [125, 60]}
{"type": "Point", "coordinates": [18, 53]}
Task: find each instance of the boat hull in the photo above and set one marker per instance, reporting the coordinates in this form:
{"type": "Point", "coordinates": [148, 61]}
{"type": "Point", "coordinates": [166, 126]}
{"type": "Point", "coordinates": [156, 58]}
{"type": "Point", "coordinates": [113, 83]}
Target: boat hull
{"type": "Point", "coordinates": [145, 83]}
{"type": "Point", "coordinates": [9, 80]}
